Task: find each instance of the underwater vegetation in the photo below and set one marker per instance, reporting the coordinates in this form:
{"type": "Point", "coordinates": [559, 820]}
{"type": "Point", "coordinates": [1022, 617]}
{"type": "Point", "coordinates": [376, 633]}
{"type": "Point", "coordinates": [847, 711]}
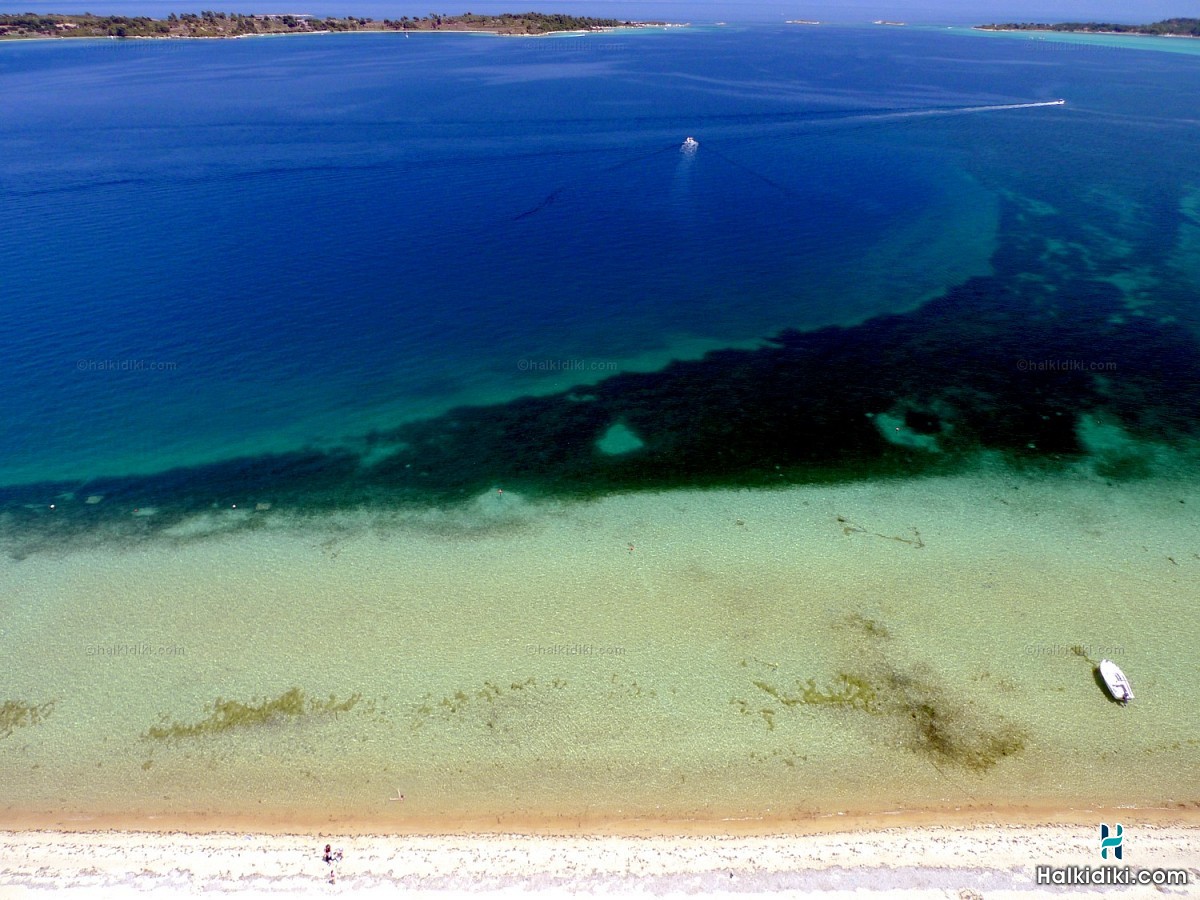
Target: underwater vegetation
{"type": "Point", "coordinates": [849, 528]}
{"type": "Point", "coordinates": [228, 715]}
{"type": "Point", "coordinates": [16, 714]}
{"type": "Point", "coordinates": [867, 625]}
{"type": "Point", "coordinates": [907, 699]}
{"type": "Point", "coordinates": [930, 722]}
{"type": "Point", "coordinates": [846, 690]}
{"type": "Point", "coordinates": [947, 730]}
{"type": "Point", "coordinates": [484, 706]}
{"type": "Point", "coordinates": [973, 371]}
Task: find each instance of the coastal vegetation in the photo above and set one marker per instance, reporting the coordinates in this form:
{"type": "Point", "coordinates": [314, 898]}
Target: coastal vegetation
{"type": "Point", "coordinates": [1165, 28]}
{"type": "Point", "coordinates": [210, 24]}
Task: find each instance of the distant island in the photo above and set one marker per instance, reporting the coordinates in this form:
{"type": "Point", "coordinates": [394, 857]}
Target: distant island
{"type": "Point", "coordinates": [1165, 28]}
{"type": "Point", "coordinates": [209, 24]}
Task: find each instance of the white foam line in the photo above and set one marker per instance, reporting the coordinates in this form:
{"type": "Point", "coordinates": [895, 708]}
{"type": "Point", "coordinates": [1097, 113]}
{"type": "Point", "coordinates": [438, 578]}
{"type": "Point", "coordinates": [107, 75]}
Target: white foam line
{"type": "Point", "coordinates": [952, 112]}
{"type": "Point", "coordinates": [1015, 105]}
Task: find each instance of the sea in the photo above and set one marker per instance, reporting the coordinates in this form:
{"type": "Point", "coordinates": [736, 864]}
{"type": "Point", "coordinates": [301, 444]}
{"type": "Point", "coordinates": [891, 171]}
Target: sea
{"type": "Point", "coordinates": [412, 374]}
{"type": "Point", "coordinates": [230, 249]}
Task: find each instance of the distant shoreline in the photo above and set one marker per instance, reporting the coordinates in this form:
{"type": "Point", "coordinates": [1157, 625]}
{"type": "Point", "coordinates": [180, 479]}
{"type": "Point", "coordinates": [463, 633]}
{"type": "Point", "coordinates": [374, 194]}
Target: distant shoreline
{"type": "Point", "coordinates": [285, 34]}
{"type": "Point", "coordinates": [1082, 31]}
{"type": "Point", "coordinates": [1185, 28]}
{"type": "Point", "coordinates": [224, 26]}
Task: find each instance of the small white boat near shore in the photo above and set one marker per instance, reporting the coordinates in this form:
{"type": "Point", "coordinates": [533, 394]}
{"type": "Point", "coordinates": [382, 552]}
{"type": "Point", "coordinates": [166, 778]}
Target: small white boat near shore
{"type": "Point", "coordinates": [1115, 681]}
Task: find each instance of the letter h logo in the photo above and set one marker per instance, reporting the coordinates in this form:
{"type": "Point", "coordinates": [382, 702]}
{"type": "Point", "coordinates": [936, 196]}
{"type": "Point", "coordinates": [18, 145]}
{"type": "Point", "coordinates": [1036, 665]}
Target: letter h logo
{"type": "Point", "coordinates": [1112, 841]}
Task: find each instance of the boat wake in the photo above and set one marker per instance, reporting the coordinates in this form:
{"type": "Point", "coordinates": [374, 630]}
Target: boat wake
{"type": "Point", "coordinates": [690, 145]}
{"type": "Point", "coordinates": [949, 111]}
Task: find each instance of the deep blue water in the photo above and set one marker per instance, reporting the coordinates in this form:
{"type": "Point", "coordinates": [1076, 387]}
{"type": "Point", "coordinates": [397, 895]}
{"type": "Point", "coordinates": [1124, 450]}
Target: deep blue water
{"type": "Point", "coordinates": [290, 241]}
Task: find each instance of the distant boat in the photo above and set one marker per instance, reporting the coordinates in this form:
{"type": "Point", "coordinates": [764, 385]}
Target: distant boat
{"type": "Point", "coordinates": [1115, 681]}
{"type": "Point", "coordinates": [689, 144]}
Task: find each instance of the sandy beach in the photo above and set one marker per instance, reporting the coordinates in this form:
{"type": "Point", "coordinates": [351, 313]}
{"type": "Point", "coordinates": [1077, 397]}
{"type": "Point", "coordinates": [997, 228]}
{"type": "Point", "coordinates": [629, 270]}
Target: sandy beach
{"type": "Point", "coordinates": [929, 861]}
{"type": "Point", "coordinates": [453, 528]}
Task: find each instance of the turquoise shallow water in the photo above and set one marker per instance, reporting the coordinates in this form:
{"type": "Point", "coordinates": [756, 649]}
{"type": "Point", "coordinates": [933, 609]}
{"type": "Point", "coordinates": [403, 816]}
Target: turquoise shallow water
{"type": "Point", "coordinates": [1069, 41]}
{"type": "Point", "coordinates": [764, 657]}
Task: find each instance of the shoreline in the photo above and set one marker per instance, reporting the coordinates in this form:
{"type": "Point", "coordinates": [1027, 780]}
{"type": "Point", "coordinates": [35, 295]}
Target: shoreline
{"type": "Point", "coordinates": [291, 824]}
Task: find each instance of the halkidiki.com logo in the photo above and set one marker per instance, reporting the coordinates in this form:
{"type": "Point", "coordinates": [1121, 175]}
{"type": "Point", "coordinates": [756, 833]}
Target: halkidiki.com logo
{"type": "Point", "coordinates": [1112, 846]}
{"type": "Point", "coordinates": [1111, 841]}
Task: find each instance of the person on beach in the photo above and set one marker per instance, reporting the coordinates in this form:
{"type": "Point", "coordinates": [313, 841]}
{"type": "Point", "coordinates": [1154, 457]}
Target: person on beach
{"type": "Point", "coordinates": [331, 857]}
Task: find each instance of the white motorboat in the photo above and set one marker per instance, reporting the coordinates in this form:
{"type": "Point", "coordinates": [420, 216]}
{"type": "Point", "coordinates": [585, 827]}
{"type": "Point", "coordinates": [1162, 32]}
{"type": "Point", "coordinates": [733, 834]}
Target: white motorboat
{"type": "Point", "coordinates": [689, 144]}
{"type": "Point", "coordinates": [1115, 681]}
